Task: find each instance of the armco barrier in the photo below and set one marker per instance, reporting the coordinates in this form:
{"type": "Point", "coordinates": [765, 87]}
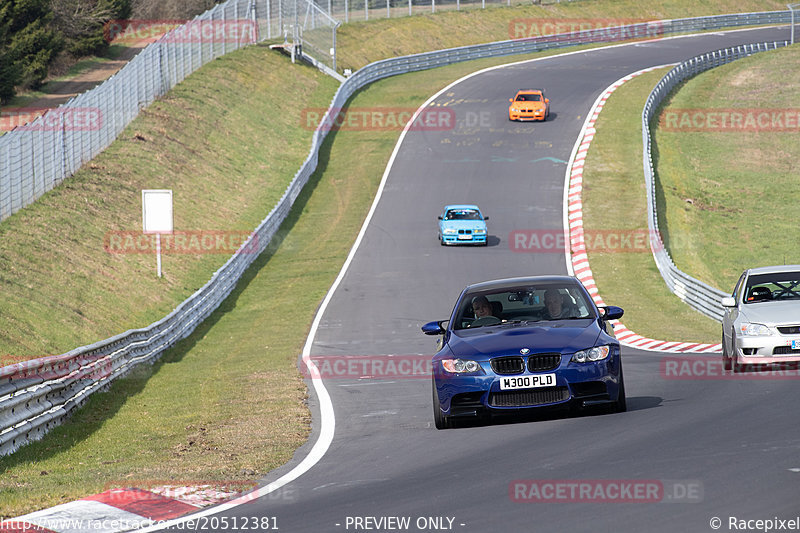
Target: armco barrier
{"type": "Point", "coordinates": [37, 395]}
{"type": "Point", "coordinates": [697, 294]}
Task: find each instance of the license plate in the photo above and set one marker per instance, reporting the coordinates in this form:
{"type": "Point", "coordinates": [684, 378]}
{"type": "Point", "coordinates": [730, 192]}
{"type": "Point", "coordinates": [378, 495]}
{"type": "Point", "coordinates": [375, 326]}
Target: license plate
{"type": "Point", "coordinates": [528, 382]}
{"type": "Point", "coordinates": [465, 237]}
{"type": "Point", "coordinates": [795, 345]}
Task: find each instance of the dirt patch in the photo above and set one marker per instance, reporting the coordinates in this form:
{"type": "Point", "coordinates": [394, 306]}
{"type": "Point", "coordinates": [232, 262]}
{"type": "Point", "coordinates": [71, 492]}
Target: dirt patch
{"type": "Point", "coordinates": [62, 91]}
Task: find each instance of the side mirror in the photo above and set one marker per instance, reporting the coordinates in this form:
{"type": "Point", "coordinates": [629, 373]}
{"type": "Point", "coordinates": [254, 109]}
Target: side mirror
{"type": "Point", "coordinates": [546, 100]}
{"type": "Point", "coordinates": [485, 218]}
{"type": "Point", "coordinates": [440, 217]}
{"type": "Point", "coordinates": [433, 328]}
{"type": "Point", "coordinates": [510, 99]}
{"type": "Point", "coordinates": [728, 301]}
{"type": "Point", "coordinates": [611, 312]}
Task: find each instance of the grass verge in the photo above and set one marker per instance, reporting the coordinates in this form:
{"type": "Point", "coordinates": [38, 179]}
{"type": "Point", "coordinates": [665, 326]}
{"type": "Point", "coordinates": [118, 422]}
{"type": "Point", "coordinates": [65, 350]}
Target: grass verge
{"type": "Point", "coordinates": [615, 205]}
{"type": "Point", "coordinates": [725, 196]}
{"type": "Point", "coordinates": [227, 156]}
{"type": "Point", "coordinates": [448, 29]}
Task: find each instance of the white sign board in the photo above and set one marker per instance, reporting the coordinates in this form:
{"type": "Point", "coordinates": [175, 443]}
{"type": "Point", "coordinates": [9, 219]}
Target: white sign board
{"type": "Point", "coordinates": [157, 210]}
{"type": "Point", "coordinates": [157, 217]}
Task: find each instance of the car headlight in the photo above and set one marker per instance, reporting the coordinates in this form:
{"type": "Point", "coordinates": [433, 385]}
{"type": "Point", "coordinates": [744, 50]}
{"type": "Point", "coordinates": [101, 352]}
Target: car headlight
{"type": "Point", "coordinates": [460, 366]}
{"type": "Point", "coordinates": [597, 353]}
{"type": "Point", "coordinates": [450, 231]}
{"type": "Point", "coordinates": [755, 329]}
{"type": "Point", "coordinates": [481, 231]}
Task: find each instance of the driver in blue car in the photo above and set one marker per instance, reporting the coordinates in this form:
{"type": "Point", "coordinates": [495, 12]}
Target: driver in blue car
{"type": "Point", "coordinates": [481, 307]}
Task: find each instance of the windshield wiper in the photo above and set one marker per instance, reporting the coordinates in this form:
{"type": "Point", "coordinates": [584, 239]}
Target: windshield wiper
{"type": "Point", "coordinates": [517, 322]}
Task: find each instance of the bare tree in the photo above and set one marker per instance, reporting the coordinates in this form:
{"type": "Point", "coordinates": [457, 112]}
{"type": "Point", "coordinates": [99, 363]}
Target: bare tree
{"type": "Point", "coordinates": [170, 9]}
{"type": "Point", "coordinates": [78, 18]}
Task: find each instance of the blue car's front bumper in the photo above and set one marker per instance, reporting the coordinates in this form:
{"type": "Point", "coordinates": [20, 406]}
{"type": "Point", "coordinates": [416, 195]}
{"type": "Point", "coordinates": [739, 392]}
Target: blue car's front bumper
{"type": "Point", "coordinates": [581, 384]}
{"type": "Point", "coordinates": [473, 238]}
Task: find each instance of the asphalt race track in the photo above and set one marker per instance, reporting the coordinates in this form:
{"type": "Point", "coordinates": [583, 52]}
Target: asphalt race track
{"type": "Point", "coordinates": [712, 447]}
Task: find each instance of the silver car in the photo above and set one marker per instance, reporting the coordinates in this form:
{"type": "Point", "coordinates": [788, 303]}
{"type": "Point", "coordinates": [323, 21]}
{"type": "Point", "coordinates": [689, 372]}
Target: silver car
{"type": "Point", "coordinates": [762, 318]}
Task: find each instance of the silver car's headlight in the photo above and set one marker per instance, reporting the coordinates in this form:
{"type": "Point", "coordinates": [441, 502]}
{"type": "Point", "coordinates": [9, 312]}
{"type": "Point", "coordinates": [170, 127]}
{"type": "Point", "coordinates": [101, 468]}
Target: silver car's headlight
{"type": "Point", "coordinates": [598, 353]}
{"type": "Point", "coordinates": [450, 231]}
{"type": "Point", "coordinates": [754, 330]}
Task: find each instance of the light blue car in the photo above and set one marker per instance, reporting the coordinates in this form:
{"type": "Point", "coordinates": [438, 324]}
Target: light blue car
{"type": "Point", "coordinates": [462, 224]}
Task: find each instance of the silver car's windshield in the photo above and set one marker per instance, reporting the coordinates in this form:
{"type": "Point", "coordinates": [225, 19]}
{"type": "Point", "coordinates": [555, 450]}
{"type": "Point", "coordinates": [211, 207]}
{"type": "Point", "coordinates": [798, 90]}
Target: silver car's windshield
{"type": "Point", "coordinates": [523, 305]}
{"type": "Point", "coordinates": [771, 287]}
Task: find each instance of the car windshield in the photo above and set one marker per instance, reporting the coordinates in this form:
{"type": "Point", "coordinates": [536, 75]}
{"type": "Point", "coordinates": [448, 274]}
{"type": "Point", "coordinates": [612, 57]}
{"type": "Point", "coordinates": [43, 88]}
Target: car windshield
{"type": "Point", "coordinates": [772, 287]}
{"type": "Point", "coordinates": [523, 305]}
{"type": "Point", "coordinates": [529, 98]}
{"type": "Point", "coordinates": [463, 214]}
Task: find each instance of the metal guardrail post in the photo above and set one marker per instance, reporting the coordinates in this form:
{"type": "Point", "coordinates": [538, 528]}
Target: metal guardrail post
{"type": "Point", "coordinates": [335, 48]}
{"type": "Point", "coordinates": [792, 10]}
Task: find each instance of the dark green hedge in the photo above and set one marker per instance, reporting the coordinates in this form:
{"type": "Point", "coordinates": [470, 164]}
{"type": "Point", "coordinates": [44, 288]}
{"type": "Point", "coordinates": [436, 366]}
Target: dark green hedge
{"type": "Point", "coordinates": [34, 32]}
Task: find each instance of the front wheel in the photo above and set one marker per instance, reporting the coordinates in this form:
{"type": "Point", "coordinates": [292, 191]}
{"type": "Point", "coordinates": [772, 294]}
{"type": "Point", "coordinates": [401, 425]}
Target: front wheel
{"type": "Point", "coordinates": [439, 419]}
{"type": "Point", "coordinates": [726, 355]}
{"type": "Point", "coordinates": [621, 404]}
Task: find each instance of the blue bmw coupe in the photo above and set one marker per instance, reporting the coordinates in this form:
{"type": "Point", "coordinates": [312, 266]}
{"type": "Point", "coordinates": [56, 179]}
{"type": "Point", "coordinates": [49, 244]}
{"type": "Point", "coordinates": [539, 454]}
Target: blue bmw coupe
{"type": "Point", "coordinates": [515, 345]}
{"type": "Point", "coordinates": [462, 224]}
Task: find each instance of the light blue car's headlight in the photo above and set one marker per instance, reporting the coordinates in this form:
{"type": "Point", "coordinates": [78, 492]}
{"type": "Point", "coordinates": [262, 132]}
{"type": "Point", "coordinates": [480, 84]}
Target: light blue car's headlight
{"type": "Point", "coordinates": [754, 329]}
{"type": "Point", "coordinates": [598, 353]}
{"type": "Point", "coordinates": [480, 231]}
{"type": "Point", "coordinates": [450, 231]}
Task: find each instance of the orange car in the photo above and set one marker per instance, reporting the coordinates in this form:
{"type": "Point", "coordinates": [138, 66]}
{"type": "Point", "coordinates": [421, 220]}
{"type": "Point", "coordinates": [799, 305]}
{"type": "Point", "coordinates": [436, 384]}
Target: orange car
{"type": "Point", "coordinates": [529, 104]}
